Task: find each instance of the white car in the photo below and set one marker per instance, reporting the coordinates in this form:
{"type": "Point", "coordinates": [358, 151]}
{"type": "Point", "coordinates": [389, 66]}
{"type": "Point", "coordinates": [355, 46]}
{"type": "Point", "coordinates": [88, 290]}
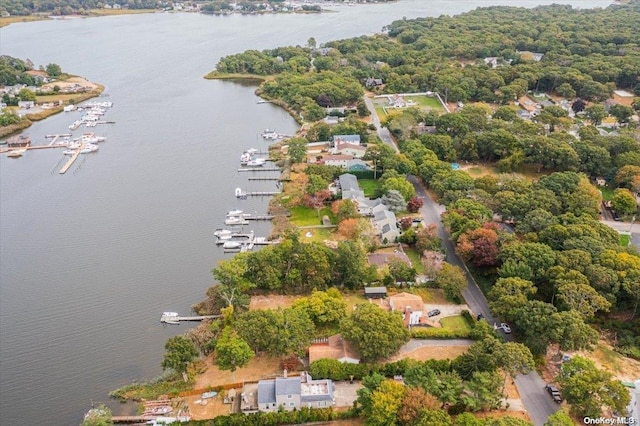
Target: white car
{"type": "Point", "coordinates": [505, 327]}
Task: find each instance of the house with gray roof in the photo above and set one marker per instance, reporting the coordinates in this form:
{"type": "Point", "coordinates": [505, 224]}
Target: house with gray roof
{"type": "Point", "coordinates": [294, 393]}
{"type": "Point", "coordinates": [385, 222]}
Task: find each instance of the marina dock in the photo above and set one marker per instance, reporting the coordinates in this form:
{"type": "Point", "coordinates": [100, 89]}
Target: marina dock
{"type": "Point", "coordinates": [71, 160]}
{"type": "Point", "coordinates": [260, 169]}
{"type": "Point", "coordinates": [259, 217]}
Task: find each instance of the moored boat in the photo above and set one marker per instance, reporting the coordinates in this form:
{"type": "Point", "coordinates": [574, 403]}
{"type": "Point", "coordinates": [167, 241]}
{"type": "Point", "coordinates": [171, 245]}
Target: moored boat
{"type": "Point", "coordinates": [16, 153]}
{"type": "Point", "coordinates": [235, 220]}
{"type": "Point", "coordinates": [231, 245]}
{"type": "Point", "coordinates": [170, 318]}
{"type": "Point", "coordinates": [258, 162]}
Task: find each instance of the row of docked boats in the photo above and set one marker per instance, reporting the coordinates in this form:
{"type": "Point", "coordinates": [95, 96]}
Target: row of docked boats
{"type": "Point", "coordinates": [249, 159]}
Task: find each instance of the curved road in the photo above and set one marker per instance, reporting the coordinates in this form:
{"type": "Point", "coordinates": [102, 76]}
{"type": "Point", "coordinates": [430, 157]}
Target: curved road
{"type": "Point", "coordinates": [530, 386]}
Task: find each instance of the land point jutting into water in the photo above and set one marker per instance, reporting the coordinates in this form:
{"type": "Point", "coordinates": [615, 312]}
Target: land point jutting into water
{"type": "Point", "coordinates": [451, 242]}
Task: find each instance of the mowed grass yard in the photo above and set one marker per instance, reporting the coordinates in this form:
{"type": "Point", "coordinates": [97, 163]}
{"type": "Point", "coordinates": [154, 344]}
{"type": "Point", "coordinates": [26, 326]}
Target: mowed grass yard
{"type": "Point", "coordinates": [456, 323]}
{"type": "Point", "coordinates": [304, 216]}
{"type": "Point", "coordinates": [369, 186]}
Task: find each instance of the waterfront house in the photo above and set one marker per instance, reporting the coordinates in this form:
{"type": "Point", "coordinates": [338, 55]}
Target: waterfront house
{"type": "Point", "coordinates": [351, 191]}
{"type": "Point", "coordinates": [292, 393]}
{"type": "Point", "coordinates": [26, 104]}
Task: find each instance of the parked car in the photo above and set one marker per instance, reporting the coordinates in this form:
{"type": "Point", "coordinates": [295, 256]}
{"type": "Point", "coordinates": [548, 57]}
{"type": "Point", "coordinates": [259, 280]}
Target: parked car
{"type": "Point", "coordinates": [554, 392]}
{"type": "Point", "coordinates": [505, 327]}
{"type": "Point", "coordinates": [480, 316]}
{"type": "Point", "coordinates": [433, 313]}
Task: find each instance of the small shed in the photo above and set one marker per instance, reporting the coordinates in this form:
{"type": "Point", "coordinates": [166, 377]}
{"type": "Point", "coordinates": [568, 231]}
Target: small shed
{"type": "Point", "coordinates": [375, 292]}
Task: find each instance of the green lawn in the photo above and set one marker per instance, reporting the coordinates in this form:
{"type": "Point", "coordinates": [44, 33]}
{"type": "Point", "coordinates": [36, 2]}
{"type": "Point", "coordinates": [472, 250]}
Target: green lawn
{"type": "Point", "coordinates": [625, 240]}
{"type": "Point", "coordinates": [352, 299]}
{"type": "Point", "coordinates": [430, 295]}
{"type": "Point", "coordinates": [369, 186]}
{"type": "Point", "coordinates": [426, 102]}
{"type": "Point", "coordinates": [607, 193]}
{"type": "Point", "coordinates": [414, 256]}
{"type": "Point", "coordinates": [318, 235]}
{"type": "Point", "coordinates": [456, 323]}
{"type": "Point", "coordinates": [303, 216]}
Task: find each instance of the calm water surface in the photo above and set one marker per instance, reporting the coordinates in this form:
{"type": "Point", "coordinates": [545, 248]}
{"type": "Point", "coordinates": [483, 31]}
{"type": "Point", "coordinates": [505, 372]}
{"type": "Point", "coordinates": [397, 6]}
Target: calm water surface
{"type": "Point", "coordinates": [89, 260]}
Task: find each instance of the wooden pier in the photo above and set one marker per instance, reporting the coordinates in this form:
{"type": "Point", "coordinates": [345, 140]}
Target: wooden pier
{"type": "Point", "coordinates": [262, 178]}
{"type": "Point", "coordinates": [259, 217]}
{"type": "Point", "coordinates": [260, 169]}
{"type": "Point", "coordinates": [73, 158]}
{"type": "Point", "coordinates": [132, 419]}
{"type": "Point", "coordinates": [166, 318]}
{"type": "Point", "coordinates": [262, 194]}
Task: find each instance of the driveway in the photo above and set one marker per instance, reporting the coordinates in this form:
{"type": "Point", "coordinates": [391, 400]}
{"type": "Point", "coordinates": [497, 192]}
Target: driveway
{"type": "Point", "coordinates": [345, 393]}
{"type": "Point", "coordinates": [445, 310]}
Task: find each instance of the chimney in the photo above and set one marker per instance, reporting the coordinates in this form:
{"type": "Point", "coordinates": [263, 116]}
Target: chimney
{"type": "Point", "coordinates": [284, 373]}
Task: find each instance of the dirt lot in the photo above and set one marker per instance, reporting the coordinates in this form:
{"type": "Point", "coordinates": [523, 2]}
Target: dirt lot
{"type": "Point", "coordinates": [432, 352]}
{"type": "Point", "coordinates": [271, 302]}
{"type": "Point", "coordinates": [622, 368]}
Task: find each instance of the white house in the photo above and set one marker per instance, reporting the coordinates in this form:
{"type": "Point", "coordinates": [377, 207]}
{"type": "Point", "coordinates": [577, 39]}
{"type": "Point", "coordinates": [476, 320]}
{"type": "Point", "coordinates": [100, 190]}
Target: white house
{"type": "Point", "coordinates": [344, 148]}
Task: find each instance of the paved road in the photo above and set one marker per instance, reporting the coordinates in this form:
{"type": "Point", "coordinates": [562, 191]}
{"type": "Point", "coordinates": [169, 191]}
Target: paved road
{"type": "Point", "coordinates": [531, 386]}
{"type": "Point", "coordinates": [633, 228]}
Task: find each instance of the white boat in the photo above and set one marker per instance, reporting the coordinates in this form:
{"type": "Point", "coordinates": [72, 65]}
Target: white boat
{"type": "Point", "coordinates": [235, 220]}
{"type": "Point", "coordinates": [159, 411]}
{"type": "Point", "coordinates": [89, 148]}
{"type": "Point", "coordinates": [231, 245]}
{"type": "Point", "coordinates": [69, 151]}
{"type": "Point", "coordinates": [223, 233]}
{"type": "Point", "coordinates": [75, 125]}
{"type": "Point", "coordinates": [240, 194]}
{"type": "Point", "coordinates": [245, 158]}
{"type": "Point", "coordinates": [251, 151]}
{"type": "Point", "coordinates": [270, 134]}
{"type": "Point", "coordinates": [235, 212]}
{"type": "Point", "coordinates": [258, 162]}
{"type": "Point", "coordinates": [16, 153]}
{"type": "Point", "coordinates": [69, 108]}
{"type": "Point", "coordinates": [170, 318]}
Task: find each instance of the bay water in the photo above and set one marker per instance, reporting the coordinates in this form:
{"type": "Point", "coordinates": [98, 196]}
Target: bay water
{"type": "Point", "coordinates": [90, 259]}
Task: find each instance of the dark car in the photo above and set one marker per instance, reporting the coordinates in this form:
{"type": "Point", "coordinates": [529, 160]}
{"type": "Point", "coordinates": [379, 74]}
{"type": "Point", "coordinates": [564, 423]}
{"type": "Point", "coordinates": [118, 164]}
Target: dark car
{"type": "Point", "coordinates": [554, 392]}
{"type": "Point", "coordinates": [433, 312]}
{"type": "Point", "coordinates": [480, 316]}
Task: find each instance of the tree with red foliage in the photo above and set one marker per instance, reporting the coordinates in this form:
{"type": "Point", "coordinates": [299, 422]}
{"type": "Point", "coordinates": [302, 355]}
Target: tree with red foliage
{"type": "Point", "coordinates": [480, 246]}
{"type": "Point", "coordinates": [414, 204]}
{"type": "Point", "coordinates": [406, 222]}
